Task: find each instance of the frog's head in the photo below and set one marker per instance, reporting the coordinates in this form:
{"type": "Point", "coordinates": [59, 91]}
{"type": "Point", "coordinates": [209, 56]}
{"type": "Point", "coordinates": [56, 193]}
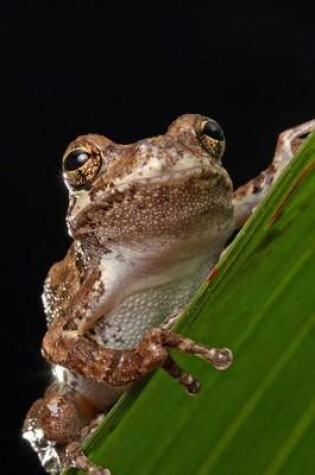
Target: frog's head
{"type": "Point", "coordinates": [168, 185]}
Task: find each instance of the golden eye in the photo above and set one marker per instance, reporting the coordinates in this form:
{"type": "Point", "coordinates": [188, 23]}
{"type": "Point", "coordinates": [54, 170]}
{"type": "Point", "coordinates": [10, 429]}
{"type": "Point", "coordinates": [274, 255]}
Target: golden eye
{"type": "Point", "coordinates": [81, 168]}
{"type": "Point", "coordinates": [211, 135]}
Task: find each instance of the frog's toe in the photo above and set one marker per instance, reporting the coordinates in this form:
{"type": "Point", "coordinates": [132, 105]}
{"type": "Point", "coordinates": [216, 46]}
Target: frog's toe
{"type": "Point", "coordinates": [75, 458]}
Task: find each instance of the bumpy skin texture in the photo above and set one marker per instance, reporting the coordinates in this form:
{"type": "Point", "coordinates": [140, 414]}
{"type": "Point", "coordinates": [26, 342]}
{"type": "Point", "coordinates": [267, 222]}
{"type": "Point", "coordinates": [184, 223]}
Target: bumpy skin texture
{"type": "Point", "coordinates": [148, 221]}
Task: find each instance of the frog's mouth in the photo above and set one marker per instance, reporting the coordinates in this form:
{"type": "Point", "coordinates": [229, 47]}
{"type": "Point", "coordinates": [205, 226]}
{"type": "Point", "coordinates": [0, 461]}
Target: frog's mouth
{"type": "Point", "coordinates": [104, 190]}
{"type": "Point", "coordinates": [148, 190]}
{"type": "Point", "coordinates": [157, 174]}
{"type": "Point", "coordinates": [170, 177]}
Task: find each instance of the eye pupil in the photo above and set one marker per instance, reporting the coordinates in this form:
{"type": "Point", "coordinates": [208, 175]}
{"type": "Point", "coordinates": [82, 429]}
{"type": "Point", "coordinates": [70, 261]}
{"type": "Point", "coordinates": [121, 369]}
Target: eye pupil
{"type": "Point", "coordinates": [213, 130]}
{"type": "Point", "coordinates": [75, 160]}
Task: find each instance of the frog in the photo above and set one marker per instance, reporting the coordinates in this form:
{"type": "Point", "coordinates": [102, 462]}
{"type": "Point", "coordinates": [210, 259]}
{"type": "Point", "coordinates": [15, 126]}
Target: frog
{"type": "Point", "coordinates": [148, 222]}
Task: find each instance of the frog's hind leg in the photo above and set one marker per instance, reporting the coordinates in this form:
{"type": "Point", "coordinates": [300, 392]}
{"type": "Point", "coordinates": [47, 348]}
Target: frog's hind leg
{"type": "Point", "coordinates": [54, 426]}
{"type": "Point", "coordinates": [248, 196]}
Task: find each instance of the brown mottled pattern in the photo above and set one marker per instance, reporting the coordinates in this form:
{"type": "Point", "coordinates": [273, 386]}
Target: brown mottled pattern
{"type": "Point", "coordinates": [62, 283]}
{"type": "Point", "coordinates": [143, 215]}
{"type": "Point", "coordinates": [144, 211]}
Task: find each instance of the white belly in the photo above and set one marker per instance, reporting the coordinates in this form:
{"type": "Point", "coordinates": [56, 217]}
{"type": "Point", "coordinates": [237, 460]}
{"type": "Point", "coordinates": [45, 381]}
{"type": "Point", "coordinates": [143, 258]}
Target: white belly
{"type": "Point", "coordinates": [125, 325]}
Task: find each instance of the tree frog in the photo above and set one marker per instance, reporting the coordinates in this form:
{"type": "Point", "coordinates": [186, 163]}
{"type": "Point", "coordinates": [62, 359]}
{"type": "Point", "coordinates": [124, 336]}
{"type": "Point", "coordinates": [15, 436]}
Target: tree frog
{"type": "Point", "coordinates": [148, 222]}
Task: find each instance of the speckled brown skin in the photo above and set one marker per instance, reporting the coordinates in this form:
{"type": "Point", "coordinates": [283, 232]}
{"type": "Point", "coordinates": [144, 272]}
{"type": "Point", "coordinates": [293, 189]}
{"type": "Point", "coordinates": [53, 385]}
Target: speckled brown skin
{"type": "Point", "coordinates": [141, 216]}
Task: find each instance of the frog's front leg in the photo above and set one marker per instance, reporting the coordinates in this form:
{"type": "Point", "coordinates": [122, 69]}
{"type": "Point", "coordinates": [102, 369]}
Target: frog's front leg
{"type": "Point", "coordinates": [248, 196]}
{"type": "Point", "coordinates": [83, 355]}
{"type": "Point", "coordinates": [55, 426]}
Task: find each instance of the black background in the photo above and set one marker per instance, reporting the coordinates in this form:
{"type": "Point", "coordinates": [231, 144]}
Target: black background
{"type": "Point", "coordinates": [126, 71]}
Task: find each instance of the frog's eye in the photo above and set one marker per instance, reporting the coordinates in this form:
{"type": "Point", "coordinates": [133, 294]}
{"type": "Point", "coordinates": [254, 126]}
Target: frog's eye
{"type": "Point", "coordinates": [212, 130]}
{"type": "Point", "coordinates": [75, 160]}
{"type": "Point", "coordinates": [80, 168]}
{"type": "Point", "coordinates": [211, 135]}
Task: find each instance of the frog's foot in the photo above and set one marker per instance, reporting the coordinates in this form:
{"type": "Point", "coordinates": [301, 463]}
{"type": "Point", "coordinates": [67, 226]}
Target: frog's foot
{"type": "Point", "coordinates": [219, 358]}
{"type": "Point", "coordinates": [290, 140]}
{"type": "Point", "coordinates": [191, 384]}
{"type": "Point", "coordinates": [155, 344]}
{"type": "Point", "coordinates": [73, 457]}
{"type": "Point", "coordinates": [247, 197]}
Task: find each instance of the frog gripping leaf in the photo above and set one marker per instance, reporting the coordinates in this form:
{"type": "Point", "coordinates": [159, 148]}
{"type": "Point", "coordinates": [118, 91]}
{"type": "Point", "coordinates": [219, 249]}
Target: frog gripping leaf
{"type": "Point", "coordinates": [148, 222]}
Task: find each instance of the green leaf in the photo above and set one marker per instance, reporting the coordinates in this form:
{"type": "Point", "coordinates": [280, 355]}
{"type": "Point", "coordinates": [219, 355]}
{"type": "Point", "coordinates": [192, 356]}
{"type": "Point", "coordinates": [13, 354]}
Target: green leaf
{"type": "Point", "coordinates": [259, 416]}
